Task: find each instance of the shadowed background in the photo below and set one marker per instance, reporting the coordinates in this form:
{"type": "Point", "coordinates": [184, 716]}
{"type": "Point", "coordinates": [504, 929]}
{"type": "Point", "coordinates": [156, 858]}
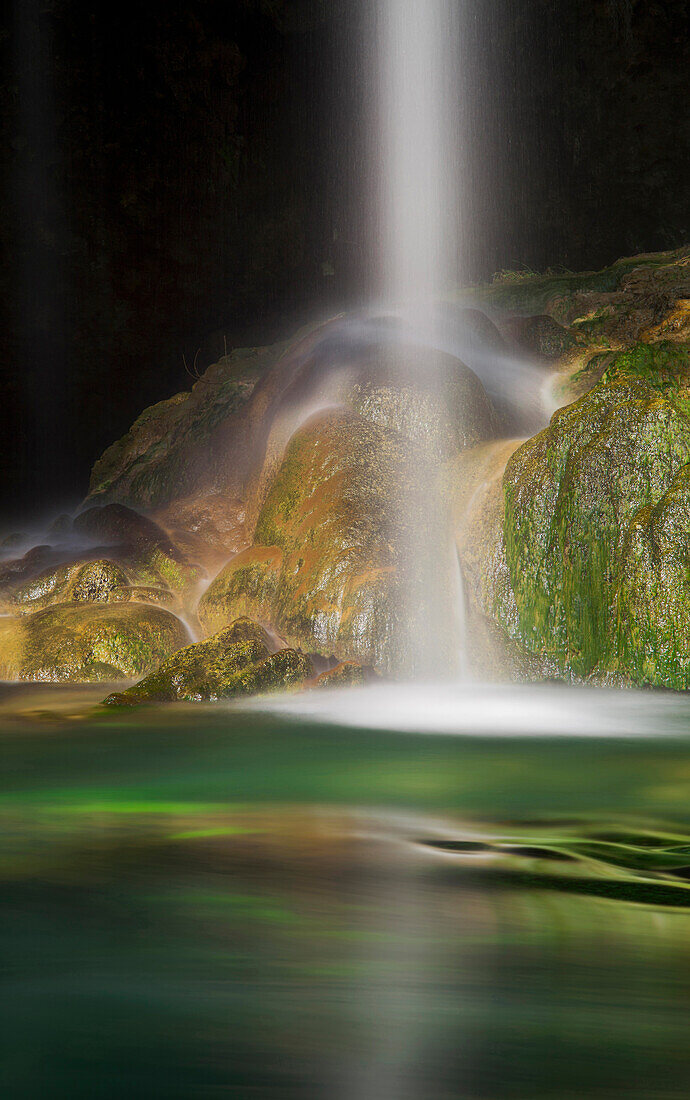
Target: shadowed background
{"type": "Point", "coordinates": [182, 175]}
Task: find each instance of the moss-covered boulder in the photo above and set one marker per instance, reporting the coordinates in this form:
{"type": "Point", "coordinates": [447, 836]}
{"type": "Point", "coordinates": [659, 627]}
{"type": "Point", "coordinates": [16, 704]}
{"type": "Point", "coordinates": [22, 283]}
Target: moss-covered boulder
{"type": "Point", "coordinates": [282, 670]}
{"type": "Point", "coordinates": [235, 661]}
{"type": "Point", "coordinates": [78, 642]}
{"type": "Point", "coordinates": [35, 561]}
{"type": "Point", "coordinates": [571, 495]}
{"type": "Point", "coordinates": [247, 586]}
{"type": "Point", "coordinates": [83, 582]}
{"type": "Point", "coordinates": [352, 556]}
{"type": "Point", "coordinates": [203, 671]}
{"type": "Point", "coordinates": [172, 448]}
{"type": "Point", "coordinates": [652, 610]}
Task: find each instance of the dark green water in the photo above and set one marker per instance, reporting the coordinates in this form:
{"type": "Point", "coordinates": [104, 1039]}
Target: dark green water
{"type": "Point", "coordinates": [214, 903]}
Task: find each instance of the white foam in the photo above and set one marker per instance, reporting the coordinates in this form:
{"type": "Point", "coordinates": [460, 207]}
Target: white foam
{"type": "Point", "coordinates": [489, 710]}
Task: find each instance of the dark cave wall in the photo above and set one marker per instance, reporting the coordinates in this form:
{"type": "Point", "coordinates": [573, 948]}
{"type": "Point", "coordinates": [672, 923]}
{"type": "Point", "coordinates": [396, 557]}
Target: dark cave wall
{"type": "Point", "coordinates": [174, 170]}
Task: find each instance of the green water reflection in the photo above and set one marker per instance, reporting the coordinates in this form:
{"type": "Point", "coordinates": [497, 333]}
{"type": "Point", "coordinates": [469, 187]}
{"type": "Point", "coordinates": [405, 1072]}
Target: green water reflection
{"type": "Point", "coordinates": [204, 903]}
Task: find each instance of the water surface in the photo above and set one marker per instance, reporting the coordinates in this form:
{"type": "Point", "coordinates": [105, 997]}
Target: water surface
{"type": "Point", "coordinates": [204, 902]}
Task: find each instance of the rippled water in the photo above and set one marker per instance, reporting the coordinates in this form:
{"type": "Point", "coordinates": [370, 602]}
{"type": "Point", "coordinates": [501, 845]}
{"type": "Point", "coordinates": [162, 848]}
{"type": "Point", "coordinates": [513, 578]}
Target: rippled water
{"type": "Point", "coordinates": [202, 902]}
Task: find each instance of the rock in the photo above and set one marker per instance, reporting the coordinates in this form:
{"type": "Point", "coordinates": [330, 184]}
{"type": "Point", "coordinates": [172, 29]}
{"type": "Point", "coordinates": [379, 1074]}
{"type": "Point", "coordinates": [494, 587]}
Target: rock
{"type": "Point", "coordinates": [247, 586]}
{"type": "Point", "coordinates": [172, 450]}
{"type": "Point", "coordinates": [571, 495]}
{"type": "Point", "coordinates": [89, 582]}
{"type": "Point", "coordinates": [664, 367]}
{"type": "Point", "coordinates": [345, 674]}
{"type": "Point", "coordinates": [141, 544]}
{"type": "Point", "coordinates": [202, 672]}
{"type": "Point", "coordinates": [540, 336]}
{"type": "Point", "coordinates": [478, 511]}
{"type": "Point", "coordinates": [88, 643]}
{"type": "Point", "coordinates": [652, 620]}
{"type": "Point", "coordinates": [116, 525]}
{"type": "Point", "coordinates": [491, 612]}
{"type": "Point", "coordinates": [352, 551]}
{"type": "Point", "coordinates": [61, 527]}
{"type": "Point", "coordinates": [285, 669]}
{"type": "Point", "coordinates": [235, 661]}
{"type": "Point", "coordinates": [139, 593]}
{"type": "Point", "coordinates": [34, 562]}
{"type": "Point", "coordinates": [9, 542]}
{"type": "Point", "coordinates": [428, 396]}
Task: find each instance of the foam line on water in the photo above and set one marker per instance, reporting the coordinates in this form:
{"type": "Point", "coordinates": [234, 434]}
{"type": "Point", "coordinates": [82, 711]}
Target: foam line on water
{"type": "Point", "coordinates": [489, 710]}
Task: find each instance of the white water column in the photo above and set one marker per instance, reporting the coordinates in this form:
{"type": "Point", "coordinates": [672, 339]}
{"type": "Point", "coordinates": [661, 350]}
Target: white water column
{"type": "Point", "coordinates": [417, 48]}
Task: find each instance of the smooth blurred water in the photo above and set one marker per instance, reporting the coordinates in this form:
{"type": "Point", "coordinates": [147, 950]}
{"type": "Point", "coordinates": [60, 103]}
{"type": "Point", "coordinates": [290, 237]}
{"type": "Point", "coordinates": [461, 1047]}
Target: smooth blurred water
{"type": "Point", "coordinates": [203, 902]}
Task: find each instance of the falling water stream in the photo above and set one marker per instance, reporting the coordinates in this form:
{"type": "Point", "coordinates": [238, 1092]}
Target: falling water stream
{"type": "Point", "coordinates": [415, 63]}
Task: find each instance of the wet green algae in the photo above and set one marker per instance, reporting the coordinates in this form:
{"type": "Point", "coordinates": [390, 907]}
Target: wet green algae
{"type": "Point", "coordinates": [234, 662]}
{"type": "Point", "coordinates": [597, 511]}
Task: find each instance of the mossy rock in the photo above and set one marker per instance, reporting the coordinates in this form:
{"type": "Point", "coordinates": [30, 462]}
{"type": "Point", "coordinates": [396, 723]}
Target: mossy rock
{"type": "Point", "coordinates": [34, 562]}
{"type": "Point", "coordinates": [140, 593]}
{"type": "Point", "coordinates": [81, 582]}
{"type": "Point", "coordinates": [204, 671]}
{"type": "Point", "coordinates": [282, 670]}
{"type": "Point", "coordinates": [236, 661]}
{"type": "Point", "coordinates": [571, 494]}
{"type": "Point", "coordinates": [171, 449]}
{"type": "Point", "coordinates": [652, 623]}
{"type": "Point", "coordinates": [141, 545]}
{"type": "Point", "coordinates": [352, 550]}
{"type": "Point", "coordinates": [85, 643]}
{"type": "Point", "coordinates": [247, 586]}
{"type": "Point", "coordinates": [665, 367]}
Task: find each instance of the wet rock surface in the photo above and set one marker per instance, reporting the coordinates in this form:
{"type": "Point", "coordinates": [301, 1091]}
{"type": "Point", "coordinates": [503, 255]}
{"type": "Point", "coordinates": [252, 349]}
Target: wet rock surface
{"type": "Point", "coordinates": [573, 498]}
{"type": "Point", "coordinates": [328, 567]}
{"type": "Point", "coordinates": [326, 484]}
{"type": "Point", "coordinates": [235, 662]}
{"type": "Point", "coordinates": [88, 643]}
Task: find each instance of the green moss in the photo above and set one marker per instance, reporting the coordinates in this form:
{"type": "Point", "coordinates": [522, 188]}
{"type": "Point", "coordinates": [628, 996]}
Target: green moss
{"type": "Point", "coordinates": [652, 626]}
{"type": "Point", "coordinates": [78, 642]}
{"type": "Point", "coordinates": [285, 669]}
{"type": "Point", "coordinates": [233, 662]}
{"type": "Point", "coordinates": [570, 495]}
{"type": "Point", "coordinates": [665, 367]}
{"type": "Point", "coordinates": [531, 293]}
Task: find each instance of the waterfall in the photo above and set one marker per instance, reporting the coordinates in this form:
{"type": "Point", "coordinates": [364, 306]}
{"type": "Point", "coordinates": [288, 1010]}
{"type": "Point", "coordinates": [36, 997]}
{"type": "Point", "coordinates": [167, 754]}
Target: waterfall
{"type": "Point", "coordinates": [417, 119]}
{"type": "Point", "coordinates": [417, 53]}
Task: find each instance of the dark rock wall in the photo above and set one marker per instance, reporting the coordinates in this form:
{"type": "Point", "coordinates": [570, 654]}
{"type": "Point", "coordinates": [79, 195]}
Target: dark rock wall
{"type": "Point", "coordinates": [182, 173]}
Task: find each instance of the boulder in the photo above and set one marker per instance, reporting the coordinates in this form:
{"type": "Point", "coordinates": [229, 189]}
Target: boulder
{"type": "Point", "coordinates": [652, 609]}
{"type": "Point", "coordinates": [140, 544]}
{"type": "Point", "coordinates": [247, 586]}
{"type": "Point", "coordinates": [540, 336]}
{"type": "Point", "coordinates": [79, 642]}
{"type": "Point", "coordinates": [82, 582]}
{"type": "Point", "coordinates": [572, 495]}
{"type": "Point", "coordinates": [235, 661]}
{"type": "Point", "coordinates": [352, 553]}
